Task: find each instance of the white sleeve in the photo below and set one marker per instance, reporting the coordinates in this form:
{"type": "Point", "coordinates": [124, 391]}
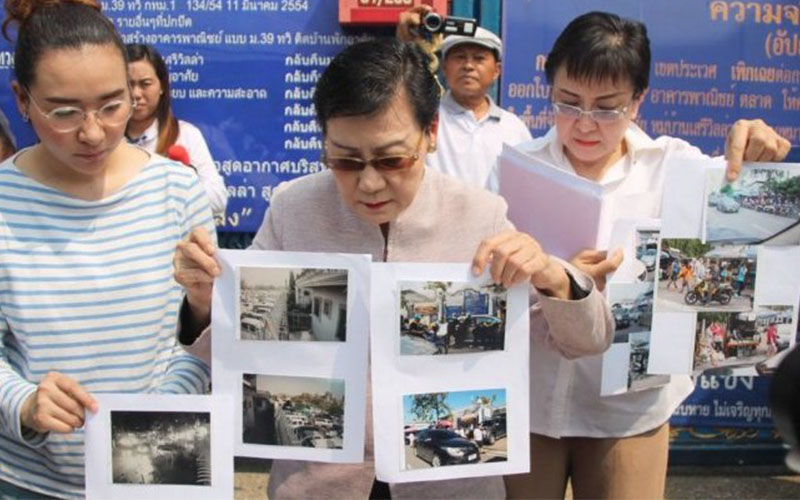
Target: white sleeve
{"type": "Point", "coordinates": [192, 139]}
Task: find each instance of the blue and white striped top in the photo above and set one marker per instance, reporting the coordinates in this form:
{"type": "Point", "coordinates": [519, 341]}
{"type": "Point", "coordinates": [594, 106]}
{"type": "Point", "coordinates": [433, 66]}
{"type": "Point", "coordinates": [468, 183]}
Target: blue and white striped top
{"type": "Point", "coordinates": [86, 289]}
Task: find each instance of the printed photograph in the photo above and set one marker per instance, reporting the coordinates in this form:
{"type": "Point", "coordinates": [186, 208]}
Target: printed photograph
{"type": "Point", "coordinates": [452, 428]}
{"type": "Point", "coordinates": [762, 204]}
{"type": "Point", "coordinates": [638, 378]}
{"type": "Point", "coordinates": [293, 304]}
{"type": "Point", "coordinates": [293, 411]}
{"type": "Point", "coordinates": [152, 447]}
{"type": "Point", "coordinates": [443, 317]}
{"type": "Point", "coordinates": [724, 341]}
{"type": "Point", "coordinates": [647, 254]}
{"type": "Point", "coordinates": [708, 276]}
{"type": "Point", "coordinates": [632, 308]}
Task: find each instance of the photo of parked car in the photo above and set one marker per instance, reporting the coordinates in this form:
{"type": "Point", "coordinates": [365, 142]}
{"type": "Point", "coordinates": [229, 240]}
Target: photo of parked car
{"type": "Point", "coordinates": [443, 447]}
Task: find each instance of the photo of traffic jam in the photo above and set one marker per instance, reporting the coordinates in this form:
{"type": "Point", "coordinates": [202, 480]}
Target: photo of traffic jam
{"type": "Point", "coordinates": [761, 203]}
{"type": "Point", "coordinates": [293, 304]}
{"type": "Point", "coordinates": [697, 276]}
{"type": "Point", "coordinates": [292, 411]}
{"type": "Point", "coordinates": [728, 341]}
{"type": "Point", "coordinates": [454, 428]}
{"type": "Point", "coordinates": [442, 317]}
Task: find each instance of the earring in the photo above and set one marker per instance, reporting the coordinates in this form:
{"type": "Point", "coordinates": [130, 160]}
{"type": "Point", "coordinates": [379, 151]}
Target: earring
{"type": "Point", "coordinates": [432, 147]}
{"type": "Point", "coordinates": [25, 117]}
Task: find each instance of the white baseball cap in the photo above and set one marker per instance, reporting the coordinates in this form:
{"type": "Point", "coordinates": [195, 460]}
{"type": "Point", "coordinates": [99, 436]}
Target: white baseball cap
{"type": "Point", "coordinates": [483, 37]}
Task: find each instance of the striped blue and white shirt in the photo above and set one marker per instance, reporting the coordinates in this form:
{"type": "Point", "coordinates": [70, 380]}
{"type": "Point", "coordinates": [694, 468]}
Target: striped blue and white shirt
{"type": "Point", "coordinates": [86, 289]}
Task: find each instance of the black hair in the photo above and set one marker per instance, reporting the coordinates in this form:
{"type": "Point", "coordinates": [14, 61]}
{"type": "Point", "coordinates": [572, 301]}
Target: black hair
{"type": "Point", "coordinates": [167, 123]}
{"type": "Point", "coordinates": [602, 46]}
{"type": "Point", "coordinates": [46, 25]}
{"type": "Point", "coordinates": [365, 77]}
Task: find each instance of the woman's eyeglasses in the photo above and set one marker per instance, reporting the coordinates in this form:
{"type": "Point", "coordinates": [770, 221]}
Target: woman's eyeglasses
{"type": "Point", "coordinates": [70, 118]}
{"type": "Point", "coordinates": [598, 115]}
{"type": "Point", "coordinates": [390, 162]}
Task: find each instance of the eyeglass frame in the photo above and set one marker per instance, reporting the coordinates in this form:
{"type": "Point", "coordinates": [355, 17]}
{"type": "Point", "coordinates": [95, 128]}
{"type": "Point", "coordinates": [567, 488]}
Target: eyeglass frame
{"type": "Point", "coordinates": [49, 115]}
{"type": "Point", "coordinates": [414, 157]}
{"type": "Point", "coordinates": [619, 113]}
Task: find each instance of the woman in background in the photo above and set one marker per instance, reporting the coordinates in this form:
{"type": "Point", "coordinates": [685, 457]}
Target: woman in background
{"type": "Point", "coordinates": [154, 127]}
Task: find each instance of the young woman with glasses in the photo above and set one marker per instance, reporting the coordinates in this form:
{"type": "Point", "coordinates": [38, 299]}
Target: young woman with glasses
{"type": "Point", "coordinates": [88, 228]}
{"type": "Point", "coordinates": [376, 104]}
{"type": "Point", "coordinates": [616, 446]}
{"type": "Point", "coordinates": [155, 128]}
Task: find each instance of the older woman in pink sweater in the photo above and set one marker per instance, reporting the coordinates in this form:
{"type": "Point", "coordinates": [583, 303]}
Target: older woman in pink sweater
{"type": "Point", "coordinates": [377, 106]}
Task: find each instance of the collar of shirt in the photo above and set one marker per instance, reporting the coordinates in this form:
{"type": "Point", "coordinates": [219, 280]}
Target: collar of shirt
{"type": "Point", "coordinates": [148, 137]}
{"type": "Point", "coordinates": [449, 103]}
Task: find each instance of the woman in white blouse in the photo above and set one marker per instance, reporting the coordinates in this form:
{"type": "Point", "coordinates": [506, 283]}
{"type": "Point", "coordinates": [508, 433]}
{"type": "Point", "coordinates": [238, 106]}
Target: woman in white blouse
{"type": "Point", "coordinates": [616, 446]}
{"type": "Point", "coordinates": [154, 127]}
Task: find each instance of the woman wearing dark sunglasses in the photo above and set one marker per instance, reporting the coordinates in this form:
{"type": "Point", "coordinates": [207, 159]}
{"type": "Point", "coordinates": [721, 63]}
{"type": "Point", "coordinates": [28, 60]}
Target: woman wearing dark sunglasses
{"type": "Point", "coordinates": [377, 104]}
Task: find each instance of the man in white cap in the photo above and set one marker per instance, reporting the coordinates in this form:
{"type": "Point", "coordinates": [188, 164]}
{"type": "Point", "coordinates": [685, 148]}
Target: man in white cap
{"type": "Point", "coordinates": [472, 128]}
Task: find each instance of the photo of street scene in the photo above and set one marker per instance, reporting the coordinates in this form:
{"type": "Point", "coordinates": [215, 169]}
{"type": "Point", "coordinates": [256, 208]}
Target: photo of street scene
{"type": "Point", "coordinates": [647, 254]}
{"type": "Point", "coordinates": [442, 317]}
{"type": "Point", "coordinates": [293, 304]}
{"type": "Point", "coordinates": [724, 341]}
{"type": "Point", "coordinates": [153, 447]}
{"type": "Point", "coordinates": [697, 276]}
{"type": "Point", "coordinates": [761, 203]}
{"type": "Point", "coordinates": [638, 378]}
{"type": "Point", "coordinates": [292, 411]}
{"type": "Point", "coordinates": [632, 308]}
{"type": "Point", "coordinates": [451, 428]}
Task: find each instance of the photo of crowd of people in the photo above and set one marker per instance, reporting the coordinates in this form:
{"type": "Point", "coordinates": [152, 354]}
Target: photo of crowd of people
{"type": "Point", "coordinates": [154, 447]}
{"type": "Point", "coordinates": [442, 317]}
{"type": "Point", "coordinates": [453, 428]}
{"type": "Point", "coordinates": [292, 411]}
{"type": "Point", "coordinates": [290, 304]}
{"type": "Point", "coordinates": [760, 204]}
{"type": "Point", "coordinates": [724, 340]}
{"type": "Point", "coordinates": [697, 276]}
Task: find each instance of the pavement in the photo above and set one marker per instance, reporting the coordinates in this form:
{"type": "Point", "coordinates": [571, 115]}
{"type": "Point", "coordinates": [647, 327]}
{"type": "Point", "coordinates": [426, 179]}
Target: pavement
{"type": "Point", "coordinates": [671, 300]}
{"type": "Point", "coordinates": [745, 223]}
{"type": "Point", "coordinates": [683, 482]}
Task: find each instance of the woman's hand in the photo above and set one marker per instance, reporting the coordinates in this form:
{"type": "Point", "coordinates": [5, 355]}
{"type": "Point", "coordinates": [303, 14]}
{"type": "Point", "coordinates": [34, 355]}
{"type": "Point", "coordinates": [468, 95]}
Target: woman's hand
{"type": "Point", "coordinates": [597, 264]}
{"type": "Point", "coordinates": [410, 21]}
{"type": "Point", "coordinates": [753, 140]}
{"type": "Point", "coordinates": [516, 257]}
{"type": "Point", "coordinates": [195, 267]}
{"type": "Point", "coordinates": [58, 405]}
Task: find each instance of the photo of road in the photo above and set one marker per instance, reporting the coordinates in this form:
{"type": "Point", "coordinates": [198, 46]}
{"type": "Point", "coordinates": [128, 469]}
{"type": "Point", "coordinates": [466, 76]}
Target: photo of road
{"type": "Point", "coordinates": [697, 276]}
{"type": "Point", "coordinates": [453, 428]}
{"type": "Point", "coordinates": [763, 202]}
{"type": "Point", "coordinates": [293, 304]}
{"type": "Point", "coordinates": [293, 411]}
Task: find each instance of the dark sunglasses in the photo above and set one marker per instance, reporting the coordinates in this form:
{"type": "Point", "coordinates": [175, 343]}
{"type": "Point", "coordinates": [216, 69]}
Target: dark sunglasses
{"type": "Point", "coordinates": [391, 162]}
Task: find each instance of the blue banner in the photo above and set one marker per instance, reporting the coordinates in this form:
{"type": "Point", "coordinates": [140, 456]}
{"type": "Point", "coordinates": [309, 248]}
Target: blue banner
{"type": "Point", "coordinates": [244, 72]}
{"type": "Point", "coordinates": [476, 302]}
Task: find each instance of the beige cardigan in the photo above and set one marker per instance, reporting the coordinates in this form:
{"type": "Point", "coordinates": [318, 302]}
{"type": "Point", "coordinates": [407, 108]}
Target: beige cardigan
{"type": "Point", "coordinates": [444, 223]}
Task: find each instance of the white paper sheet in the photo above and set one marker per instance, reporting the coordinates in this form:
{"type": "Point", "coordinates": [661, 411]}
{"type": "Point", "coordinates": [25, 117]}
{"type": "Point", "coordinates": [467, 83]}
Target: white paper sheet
{"type": "Point", "coordinates": [563, 211]}
{"type": "Point", "coordinates": [134, 455]}
{"type": "Point", "coordinates": [682, 209]}
{"type": "Point", "coordinates": [671, 344]}
{"type": "Point", "coordinates": [626, 234]}
{"type": "Point", "coordinates": [329, 360]}
{"type": "Point", "coordinates": [395, 376]}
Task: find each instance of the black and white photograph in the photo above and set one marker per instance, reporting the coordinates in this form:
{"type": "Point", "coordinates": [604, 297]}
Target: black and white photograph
{"type": "Point", "coordinates": [647, 254]}
{"type": "Point", "coordinates": [454, 428]}
{"type": "Point", "coordinates": [761, 205]}
{"type": "Point", "coordinates": [154, 447]}
{"type": "Point", "coordinates": [725, 341]}
{"type": "Point", "coordinates": [293, 411]}
{"type": "Point", "coordinates": [707, 276]}
{"type": "Point", "coordinates": [632, 308]}
{"type": "Point", "coordinates": [445, 317]}
{"type": "Point", "coordinates": [292, 304]}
